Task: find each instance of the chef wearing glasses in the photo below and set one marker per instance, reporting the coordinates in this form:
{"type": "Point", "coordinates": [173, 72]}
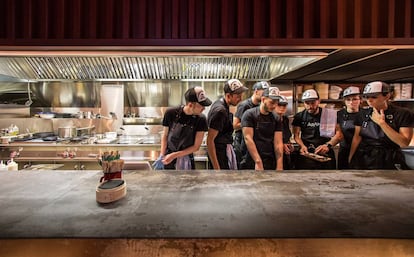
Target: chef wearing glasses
{"type": "Point", "coordinates": [345, 119]}
{"type": "Point", "coordinates": [380, 131]}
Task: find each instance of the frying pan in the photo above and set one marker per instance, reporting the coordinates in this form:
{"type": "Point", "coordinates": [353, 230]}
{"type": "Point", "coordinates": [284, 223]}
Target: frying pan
{"type": "Point", "coordinates": [43, 134]}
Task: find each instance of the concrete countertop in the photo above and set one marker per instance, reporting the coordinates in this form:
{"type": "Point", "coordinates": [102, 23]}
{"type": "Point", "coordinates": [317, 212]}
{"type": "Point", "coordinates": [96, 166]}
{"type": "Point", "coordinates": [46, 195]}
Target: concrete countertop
{"type": "Point", "coordinates": [210, 204]}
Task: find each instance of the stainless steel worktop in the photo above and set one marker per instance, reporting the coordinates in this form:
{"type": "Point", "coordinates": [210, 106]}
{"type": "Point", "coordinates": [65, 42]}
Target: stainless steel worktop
{"type": "Point", "coordinates": [85, 155]}
{"type": "Point", "coordinates": [210, 204]}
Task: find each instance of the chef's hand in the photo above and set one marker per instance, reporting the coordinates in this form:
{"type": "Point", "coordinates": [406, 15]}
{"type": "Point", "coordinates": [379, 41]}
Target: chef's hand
{"type": "Point", "coordinates": [322, 149]}
{"type": "Point", "coordinates": [287, 148]}
{"type": "Point", "coordinates": [303, 150]}
{"type": "Point", "coordinates": [258, 165]}
{"type": "Point", "coordinates": [168, 158]}
{"type": "Point", "coordinates": [378, 116]}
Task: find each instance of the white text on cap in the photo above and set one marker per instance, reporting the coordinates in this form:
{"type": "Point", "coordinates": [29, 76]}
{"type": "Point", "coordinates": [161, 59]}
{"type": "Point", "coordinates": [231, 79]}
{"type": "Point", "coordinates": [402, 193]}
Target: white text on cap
{"type": "Point", "coordinates": [310, 94]}
{"type": "Point", "coordinates": [351, 91]}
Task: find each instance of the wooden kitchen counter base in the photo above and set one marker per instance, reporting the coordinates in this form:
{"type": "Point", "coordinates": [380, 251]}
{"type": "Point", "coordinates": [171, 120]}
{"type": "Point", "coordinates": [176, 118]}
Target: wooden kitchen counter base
{"type": "Point", "coordinates": [210, 247]}
{"type": "Point", "coordinates": [210, 204]}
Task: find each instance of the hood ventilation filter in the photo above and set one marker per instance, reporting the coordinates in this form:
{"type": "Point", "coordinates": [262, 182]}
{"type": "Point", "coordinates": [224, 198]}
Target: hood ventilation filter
{"type": "Point", "coordinates": [151, 67]}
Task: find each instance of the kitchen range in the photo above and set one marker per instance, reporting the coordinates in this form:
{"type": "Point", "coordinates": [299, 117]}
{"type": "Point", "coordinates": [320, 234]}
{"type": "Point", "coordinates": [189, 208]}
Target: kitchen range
{"type": "Point", "coordinates": [72, 148]}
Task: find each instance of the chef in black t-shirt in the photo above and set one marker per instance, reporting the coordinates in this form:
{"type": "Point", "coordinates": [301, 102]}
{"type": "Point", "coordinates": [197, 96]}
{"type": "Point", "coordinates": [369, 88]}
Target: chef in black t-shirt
{"type": "Point", "coordinates": [251, 102]}
{"type": "Point", "coordinates": [380, 131]}
{"type": "Point", "coordinates": [220, 127]}
{"type": "Point", "coordinates": [184, 128]}
{"type": "Point", "coordinates": [263, 134]}
{"type": "Point", "coordinates": [306, 132]}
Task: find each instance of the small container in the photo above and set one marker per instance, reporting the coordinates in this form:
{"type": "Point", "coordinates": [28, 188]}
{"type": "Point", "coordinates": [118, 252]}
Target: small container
{"type": "Point", "coordinates": [13, 130]}
{"type": "Point", "coordinates": [12, 166]}
{"type": "Point", "coordinates": [3, 167]}
{"type": "Point", "coordinates": [87, 115]}
{"type": "Point", "coordinates": [99, 136]}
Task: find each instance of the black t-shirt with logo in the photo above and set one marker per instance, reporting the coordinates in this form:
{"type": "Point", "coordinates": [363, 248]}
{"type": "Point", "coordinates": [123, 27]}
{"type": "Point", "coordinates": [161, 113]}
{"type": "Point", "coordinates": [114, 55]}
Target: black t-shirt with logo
{"type": "Point", "coordinates": [309, 125]}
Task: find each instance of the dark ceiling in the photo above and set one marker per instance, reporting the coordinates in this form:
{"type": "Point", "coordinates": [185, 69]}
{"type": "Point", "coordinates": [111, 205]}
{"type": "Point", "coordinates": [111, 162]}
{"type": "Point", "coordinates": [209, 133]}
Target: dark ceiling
{"type": "Point", "coordinates": [356, 66]}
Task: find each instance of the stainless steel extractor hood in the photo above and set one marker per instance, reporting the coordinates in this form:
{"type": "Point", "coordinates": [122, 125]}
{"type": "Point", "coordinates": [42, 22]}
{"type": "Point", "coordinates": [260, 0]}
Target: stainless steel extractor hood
{"type": "Point", "coordinates": [43, 66]}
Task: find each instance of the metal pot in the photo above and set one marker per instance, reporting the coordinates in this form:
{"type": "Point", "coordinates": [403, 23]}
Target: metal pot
{"type": "Point", "coordinates": [67, 132]}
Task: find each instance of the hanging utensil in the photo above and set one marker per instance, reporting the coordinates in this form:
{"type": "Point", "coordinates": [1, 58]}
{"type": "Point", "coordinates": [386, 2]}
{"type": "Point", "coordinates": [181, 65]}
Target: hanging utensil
{"type": "Point", "coordinates": [29, 101]}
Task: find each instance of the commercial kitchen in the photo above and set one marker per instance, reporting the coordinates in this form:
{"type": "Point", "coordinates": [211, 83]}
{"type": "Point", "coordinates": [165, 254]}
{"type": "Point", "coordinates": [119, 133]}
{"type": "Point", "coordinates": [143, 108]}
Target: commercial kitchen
{"type": "Point", "coordinates": [73, 87]}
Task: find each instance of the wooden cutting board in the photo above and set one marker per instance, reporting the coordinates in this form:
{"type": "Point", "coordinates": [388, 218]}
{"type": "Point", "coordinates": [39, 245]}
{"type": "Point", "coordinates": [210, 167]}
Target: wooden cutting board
{"type": "Point", "coordinates": [317, 157]}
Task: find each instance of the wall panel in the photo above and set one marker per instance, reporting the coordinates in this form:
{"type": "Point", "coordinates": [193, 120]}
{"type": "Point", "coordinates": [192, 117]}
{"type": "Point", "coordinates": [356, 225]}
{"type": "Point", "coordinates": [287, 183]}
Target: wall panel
{"type": "Point", "coordinates": [91, 22]}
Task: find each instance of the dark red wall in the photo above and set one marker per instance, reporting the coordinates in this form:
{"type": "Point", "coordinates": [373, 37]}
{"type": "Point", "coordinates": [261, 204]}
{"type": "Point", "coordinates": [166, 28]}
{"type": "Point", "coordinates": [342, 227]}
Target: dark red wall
{"type": "Point", "coordinates": [206, 22]}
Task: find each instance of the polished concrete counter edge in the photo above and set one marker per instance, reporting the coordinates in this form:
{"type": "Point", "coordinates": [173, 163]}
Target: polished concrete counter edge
{"type": "Point", "coordinates": [210, 204]}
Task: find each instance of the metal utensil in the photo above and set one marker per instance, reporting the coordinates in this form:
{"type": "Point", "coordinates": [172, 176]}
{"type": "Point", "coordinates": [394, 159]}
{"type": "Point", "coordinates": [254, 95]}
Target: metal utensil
{"type": "Point", "coordinates": [29, 101]}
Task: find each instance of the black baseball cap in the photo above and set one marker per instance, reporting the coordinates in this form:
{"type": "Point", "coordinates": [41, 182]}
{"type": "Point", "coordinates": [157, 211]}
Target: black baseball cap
{"type": "Point", "coordinates": [234, 86]}
{"type": "Point", "coordinates": [272, 92]}
{"type": "Point", "coordinates": [261, 85]}
{"type": "Point", "coordinates": [197, 95]}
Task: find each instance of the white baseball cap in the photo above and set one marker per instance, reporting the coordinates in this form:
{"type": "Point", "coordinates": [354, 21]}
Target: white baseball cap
{"type": "Point", "coordinates": [283, 100]}
{"type": "Point", "coordinates": [310, 94]}
{"type": "Point", "coordinates": [376, 87]}
{"type": "Point", "coordinates": [351, 91]}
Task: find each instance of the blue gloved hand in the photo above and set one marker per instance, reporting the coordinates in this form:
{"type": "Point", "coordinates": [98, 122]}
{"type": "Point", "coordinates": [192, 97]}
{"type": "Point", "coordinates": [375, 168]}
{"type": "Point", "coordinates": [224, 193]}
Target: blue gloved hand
{"type": "Point", "coordinates": [158, 165]}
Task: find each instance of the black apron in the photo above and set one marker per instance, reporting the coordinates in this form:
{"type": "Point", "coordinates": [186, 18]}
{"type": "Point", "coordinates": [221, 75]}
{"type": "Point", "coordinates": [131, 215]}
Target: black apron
{"type": "Point", "coordinates": [345, 146]}
{"type": "Point", "coordinates": [377, 158]}
{"type": "Point", "coordinates": [263, 137]}
{"type": "Point", "coordinates": [312, 139]}
{"type": "Point", "coordinates": [221, 142]}
{"type": "Point", "coordinates": [239, 147]}
{"type": "Point", "coordinates": [374, 152]}
{"type": "Point", "coordinates": [180, 136]}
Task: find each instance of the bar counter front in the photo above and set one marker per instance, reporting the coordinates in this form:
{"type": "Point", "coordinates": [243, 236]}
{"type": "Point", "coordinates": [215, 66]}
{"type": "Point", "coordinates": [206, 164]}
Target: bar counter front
{"type": "Point", "coordinates": [162, 207]}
